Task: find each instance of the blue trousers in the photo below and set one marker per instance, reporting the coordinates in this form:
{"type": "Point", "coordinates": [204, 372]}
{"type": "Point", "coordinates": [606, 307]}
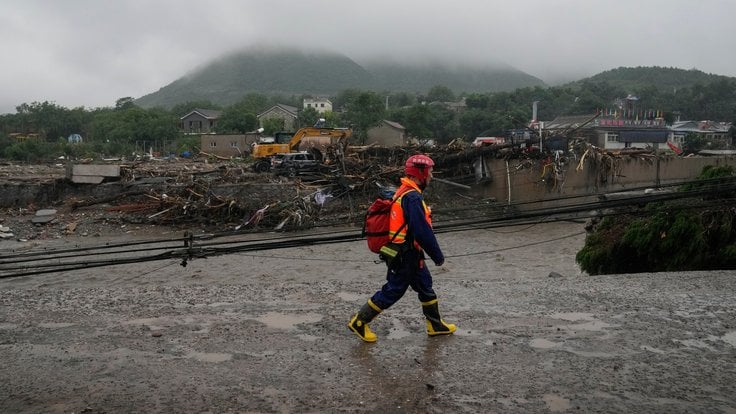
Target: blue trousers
{"type": "Point", "coordinates": [412, 273]}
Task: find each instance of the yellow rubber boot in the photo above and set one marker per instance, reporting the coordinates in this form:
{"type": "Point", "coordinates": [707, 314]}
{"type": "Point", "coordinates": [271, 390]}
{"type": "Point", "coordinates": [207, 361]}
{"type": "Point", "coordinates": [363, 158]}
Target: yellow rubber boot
{"type": "Point", "coordinates": [359, 322]}
{"type": "Point", "coordinates": [435, 324]}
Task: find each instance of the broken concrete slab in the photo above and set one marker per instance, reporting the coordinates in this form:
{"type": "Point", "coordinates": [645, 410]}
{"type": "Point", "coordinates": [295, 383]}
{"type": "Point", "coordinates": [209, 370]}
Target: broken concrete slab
{"type": "Point", "coordinates": [93, 173]}
{"type": "Point", "coordinates": [84, 179]}
{"type": "Point", "coordinates": [6, 233]}
{"type": "Point", "coordinates": [44, 216]}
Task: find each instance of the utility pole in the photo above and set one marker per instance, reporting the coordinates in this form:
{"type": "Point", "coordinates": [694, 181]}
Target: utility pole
{"type": "Point", "coordinates": [656, 156]}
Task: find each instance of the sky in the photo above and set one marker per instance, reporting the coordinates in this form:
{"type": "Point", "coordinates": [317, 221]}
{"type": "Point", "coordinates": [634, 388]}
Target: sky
{"type": "Point", "coordinates": [90, 53]}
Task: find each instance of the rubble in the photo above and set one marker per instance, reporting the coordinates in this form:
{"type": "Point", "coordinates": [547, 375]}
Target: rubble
{"type": "Point", "coordinates": [225, 195]}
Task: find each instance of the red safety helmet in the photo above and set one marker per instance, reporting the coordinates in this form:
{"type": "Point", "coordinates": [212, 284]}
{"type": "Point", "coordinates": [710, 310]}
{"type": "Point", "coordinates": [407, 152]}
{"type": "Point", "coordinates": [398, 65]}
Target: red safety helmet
{"type": "Point", "coordinates": [418, 166]}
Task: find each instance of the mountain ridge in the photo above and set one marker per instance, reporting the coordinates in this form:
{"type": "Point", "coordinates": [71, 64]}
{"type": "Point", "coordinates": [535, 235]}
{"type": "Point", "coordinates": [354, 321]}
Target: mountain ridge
{"type": "Point", "coordinates": [292, 72]}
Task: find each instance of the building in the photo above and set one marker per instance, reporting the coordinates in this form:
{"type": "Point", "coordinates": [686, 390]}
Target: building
{"type": "Point", "coordinates": [387, 134]}
{"type": "Point", "coordinates": [456, 107]}
{"type": "Point", "coordinates": [322, 105]}
{"type": "Point", "coordinates": [228, 146]}
{"type": "Point", "coordinates": [200, 121]}
{"type": "Point", "coordinates": [610, 131]}
{"type": "Point", "coordinates": [287, 114]}
{"type": "Point", "coordinates": [715, 133]}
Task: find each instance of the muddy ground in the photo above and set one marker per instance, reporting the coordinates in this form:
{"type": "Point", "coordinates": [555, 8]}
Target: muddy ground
{"type": "Point", "coordinates": [267, 332]}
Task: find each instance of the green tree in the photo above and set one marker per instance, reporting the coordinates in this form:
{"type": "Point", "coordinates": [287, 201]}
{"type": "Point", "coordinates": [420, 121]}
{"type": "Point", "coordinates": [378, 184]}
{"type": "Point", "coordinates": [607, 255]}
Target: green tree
{"type": "Point", "coordinates": [134, 127]}
{"type": "Point", "coordinates": [694, 143]}
{"type": "Point", "coordinates": [332, 119]}
{"type": "Point", "coordinates": [364, 111]}
{"type": "Point", "coordinates": [125, 103]}
{"type": "Point", "coordinates": [49, 120]}
{"type": "Point", "coordinates": [442, 123]}
{"type": "Point", "coordinates": [254, 103]}
{"type": "Point", "coordinates": [31, 150]}
{"type": "Point", "coordinates": [477, 101]}
{"type": "Point", "coordinates": [308, 117]}
{"type": "Point", "coordinates": [400, 100]}
{"type": "Point", "coordinates": [416, 120]}
{"type": "Point", "coordinates": [271, 125]}
{"type": "Point", "coordinates": [440, 93]}
{"type": "Point", "coordinates": [472, 122]}
{"type": "Point", "coordinates": [233, 121]}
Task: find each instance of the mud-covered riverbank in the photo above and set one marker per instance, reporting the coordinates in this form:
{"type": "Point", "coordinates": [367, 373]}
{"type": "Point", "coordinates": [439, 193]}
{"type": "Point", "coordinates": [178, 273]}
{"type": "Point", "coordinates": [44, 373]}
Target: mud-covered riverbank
{"type": "Point", "coordinates": [267, 332]}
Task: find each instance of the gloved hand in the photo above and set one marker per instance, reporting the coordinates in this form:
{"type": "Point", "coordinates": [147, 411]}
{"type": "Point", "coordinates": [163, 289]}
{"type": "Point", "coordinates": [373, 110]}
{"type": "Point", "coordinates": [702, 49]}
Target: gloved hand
{"type": "Point", "coordinates": [439, 262]}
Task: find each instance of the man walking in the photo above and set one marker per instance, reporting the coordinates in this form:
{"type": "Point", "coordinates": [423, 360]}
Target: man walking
{"type": "Point", "coordinates": [410, 229]}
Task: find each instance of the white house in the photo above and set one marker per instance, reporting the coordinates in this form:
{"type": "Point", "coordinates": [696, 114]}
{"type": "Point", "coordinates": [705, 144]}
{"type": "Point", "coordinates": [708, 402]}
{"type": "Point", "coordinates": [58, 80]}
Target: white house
{"type": "Point", "coordinates": [322, 105]}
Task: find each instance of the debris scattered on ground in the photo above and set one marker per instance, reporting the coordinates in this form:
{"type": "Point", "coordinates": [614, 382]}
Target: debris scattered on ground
{"type": "Point", "coordinates": [226, 195]}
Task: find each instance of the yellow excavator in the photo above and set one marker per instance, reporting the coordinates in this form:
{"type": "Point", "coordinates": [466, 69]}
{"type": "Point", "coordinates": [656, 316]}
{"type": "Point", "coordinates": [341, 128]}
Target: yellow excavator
{"type": "Point", "coordinates": [314, 139]}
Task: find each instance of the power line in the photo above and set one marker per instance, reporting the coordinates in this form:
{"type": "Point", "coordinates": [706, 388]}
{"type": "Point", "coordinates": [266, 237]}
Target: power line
{"type": "Point", "coordinates": [485, 217]}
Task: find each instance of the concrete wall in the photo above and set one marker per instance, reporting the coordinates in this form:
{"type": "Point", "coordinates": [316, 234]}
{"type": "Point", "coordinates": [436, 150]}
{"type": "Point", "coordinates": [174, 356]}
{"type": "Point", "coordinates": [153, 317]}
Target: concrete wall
{"type": "Point", "coordinates": [386, 136]}
{"type": "Point", "coordinates": [228, 145]}
{"type": "Point", "coordinates": [530, 180]}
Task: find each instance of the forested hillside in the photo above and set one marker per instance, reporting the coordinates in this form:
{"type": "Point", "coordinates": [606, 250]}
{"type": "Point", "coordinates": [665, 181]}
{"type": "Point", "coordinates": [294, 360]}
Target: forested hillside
{"type": "Point", "coordinates": [661, 78]}
{"type": "Point", "coordinates": [684, 94]}
{"type": "Point", "coordinates": [691, 94]}
{"type": "Point", "coordinates": [227, 80]}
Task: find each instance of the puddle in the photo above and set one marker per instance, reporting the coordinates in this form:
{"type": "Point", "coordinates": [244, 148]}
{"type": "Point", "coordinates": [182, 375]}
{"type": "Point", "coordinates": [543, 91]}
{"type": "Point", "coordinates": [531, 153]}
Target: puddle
{"type": "Point", "coordinates": [307, 337]}
{"type": "Point", "coordinates": [219, 304]}
{"type": "Point", "coordinates": [555, 403]}
{"type": "Point", "coordinates": [594, 325]}
{"type": "Point", "coordinates": [155, 324]}
{"type": "Point", "coordinates": [263, 354]}
{"type": "Point", "coordinates": [286, 321]}
{"type": "Point", "coordinates": [467, 332]}
{"type": "Point", "coordinates": [398, 331]}
{"type": "Point", "coordinates": [591, 354]}
{"type": "Point", "coordinates": [694, 343]}
{"type": "Point", "coordinates": [573, 316]}
{"type": "Point", "coordinates": [350, 297]}
{"type": "Point", "coordinates": [209, 357]}
{"type": "Point", "coordinates": [541, 343]}
{"type": "Point", "coordinates": [730, 338]}
{"type": "Point", "coordinates": [54, 325]}
{"type": "Point", "coordinates": [652, 349]}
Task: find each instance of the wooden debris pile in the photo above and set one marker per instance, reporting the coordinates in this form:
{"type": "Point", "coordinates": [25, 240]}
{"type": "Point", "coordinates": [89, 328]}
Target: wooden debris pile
{"type": "Point", "coordinates": [228, 195]}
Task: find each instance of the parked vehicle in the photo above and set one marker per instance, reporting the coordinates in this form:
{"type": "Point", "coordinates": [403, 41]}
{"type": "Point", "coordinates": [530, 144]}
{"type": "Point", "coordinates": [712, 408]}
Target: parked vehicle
{"type": "Point", "coordinates": [316, 139]}
{"type": "Point", "coordinates": [294, 163]}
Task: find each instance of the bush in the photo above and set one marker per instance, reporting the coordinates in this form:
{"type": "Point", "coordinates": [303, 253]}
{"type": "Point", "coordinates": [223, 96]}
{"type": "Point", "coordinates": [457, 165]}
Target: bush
{"type": "Point", "coordinates": [672, 236]}
{"type": "Point", "coordinates": [31, 151]}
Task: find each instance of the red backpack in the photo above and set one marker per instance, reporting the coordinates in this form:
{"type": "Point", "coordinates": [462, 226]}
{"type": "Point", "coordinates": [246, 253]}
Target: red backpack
{"type": "Point", "coordinates": [376, 223]}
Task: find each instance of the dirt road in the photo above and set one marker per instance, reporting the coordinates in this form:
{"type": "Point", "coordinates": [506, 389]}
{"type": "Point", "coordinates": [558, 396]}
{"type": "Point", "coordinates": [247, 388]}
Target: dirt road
{"type": "Point", "coordinates": [267, 332]}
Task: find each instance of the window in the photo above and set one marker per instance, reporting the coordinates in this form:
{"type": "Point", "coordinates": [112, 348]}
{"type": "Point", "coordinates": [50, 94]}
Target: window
{"type": "Point", "coordinates": [233, 144]}
{"type": "Point", "coordinates": [213, 143]}
{"type": "Point", "coordinates": [611, 137]}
